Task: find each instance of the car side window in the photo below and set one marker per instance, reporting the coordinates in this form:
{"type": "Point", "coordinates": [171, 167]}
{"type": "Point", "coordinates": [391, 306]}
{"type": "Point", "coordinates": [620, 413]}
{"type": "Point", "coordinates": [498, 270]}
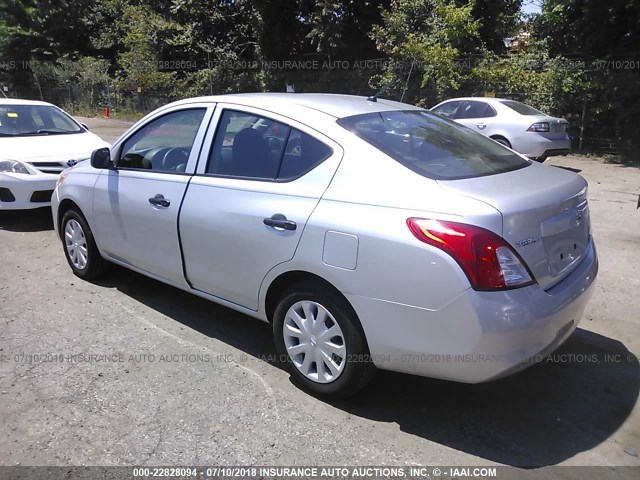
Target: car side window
{"type": "Point", "coordinates": [447, 109]}
{"type": "Point", "coordinates": [302, 154]}
{"type": "Point", "coordinates": [490, 112]}
{"type": "Point", "coordinates": [164, 144]}
{"type": "Point", "coordinates": [472, 109]}
{"type": "Point", "coordinates": [250, 146]}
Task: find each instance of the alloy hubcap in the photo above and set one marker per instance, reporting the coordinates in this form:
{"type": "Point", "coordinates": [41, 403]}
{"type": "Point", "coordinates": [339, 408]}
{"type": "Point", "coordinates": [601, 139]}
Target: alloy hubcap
{"type": "Point", "coordinates": [314, 341]}
{"type": "Point", "coordinates": [76, 244]}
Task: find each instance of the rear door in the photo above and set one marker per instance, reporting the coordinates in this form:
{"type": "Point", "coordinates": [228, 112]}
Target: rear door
{"type": "Point", "coordinates": [477, 115]}
{"type": "Point", "coordinates": [245, 209]}
{"type": "Point", "coordinates": [136, 204]}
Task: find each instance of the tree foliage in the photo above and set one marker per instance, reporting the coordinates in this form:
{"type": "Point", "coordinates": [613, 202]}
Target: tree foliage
{"type": "Point", "coordinates": [430, 40]}
{"type": "Point", "coordinates": [605, 38]}
{"type": "Point", "coordinates": [429, 49]}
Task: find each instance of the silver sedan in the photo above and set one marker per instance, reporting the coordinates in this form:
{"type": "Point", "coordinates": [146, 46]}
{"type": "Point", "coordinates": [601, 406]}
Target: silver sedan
{"type": "Point", "coordinates": [513, 124]}
{"type": "Point", "coordinates": [369, 233]}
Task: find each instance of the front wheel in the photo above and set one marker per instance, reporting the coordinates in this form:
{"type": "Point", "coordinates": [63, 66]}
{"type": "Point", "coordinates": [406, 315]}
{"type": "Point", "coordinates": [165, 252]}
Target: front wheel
{"type": "Point", "coordinates": [320, 337]}
{"type": "Point", "coordinates": [80, 248]}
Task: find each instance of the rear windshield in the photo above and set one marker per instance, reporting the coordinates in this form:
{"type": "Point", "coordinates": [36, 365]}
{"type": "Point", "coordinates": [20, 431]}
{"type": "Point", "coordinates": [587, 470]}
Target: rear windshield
{"type": "Point", "coordinates": [433, 146]}
{"type": "Point", "coordinates": [521, 108]}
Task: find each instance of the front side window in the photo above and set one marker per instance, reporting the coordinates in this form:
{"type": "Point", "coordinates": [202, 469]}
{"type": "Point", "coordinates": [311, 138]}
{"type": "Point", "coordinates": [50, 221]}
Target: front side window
{"type": "Point", "coordinates": [164, 144]}
{"type": "Point", "coordinates": [35, 120]}
{"type": "Point", "coordinates": [433, 146]}
{"type": "Point", "coordinates": [255, 147]}
{"type": "Point", "coordinates": [447, 109]}
{"type": "Point", "coordinates": [471, 109]}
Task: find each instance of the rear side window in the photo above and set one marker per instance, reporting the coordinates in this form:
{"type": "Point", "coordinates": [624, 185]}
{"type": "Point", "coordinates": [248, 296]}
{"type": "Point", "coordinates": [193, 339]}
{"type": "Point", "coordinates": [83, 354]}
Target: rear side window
{"type": "Point", "coordinates": [255, 147]}
{"type": "Point", "coordinates": [302, 154]}
{"type": "Point", "coordinates": [433, 146]}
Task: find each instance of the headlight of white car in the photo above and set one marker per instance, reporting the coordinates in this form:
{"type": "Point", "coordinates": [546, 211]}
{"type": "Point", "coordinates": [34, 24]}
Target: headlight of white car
{"type": "Point", "coordinates": [13, 166]}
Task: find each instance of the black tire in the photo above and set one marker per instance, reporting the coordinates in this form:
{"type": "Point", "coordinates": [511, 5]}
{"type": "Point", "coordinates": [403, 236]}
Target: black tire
{"type": "Point", "coordinates": [502, 141]}
{"type": "Point", "coordinates": [95, 265]}
{"type": "Point", "coordinates": [358, 369]}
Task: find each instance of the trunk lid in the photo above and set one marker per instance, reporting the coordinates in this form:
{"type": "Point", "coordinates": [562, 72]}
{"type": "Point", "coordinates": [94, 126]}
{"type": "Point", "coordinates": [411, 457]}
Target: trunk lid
{"type": "Point", "coordinates": [557, 126]}
{"type": "Point", "coordinates": [545, 216]}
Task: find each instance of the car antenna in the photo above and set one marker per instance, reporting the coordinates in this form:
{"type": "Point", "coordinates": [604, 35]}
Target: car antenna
{"type": "Point", "coordinates": [374, 98]}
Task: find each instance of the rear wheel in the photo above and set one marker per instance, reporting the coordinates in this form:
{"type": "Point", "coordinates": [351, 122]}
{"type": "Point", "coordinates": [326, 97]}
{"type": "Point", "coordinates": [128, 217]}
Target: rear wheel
{"type": "Point", "coordinates": [318, 334]}
{"type": "Point", "coordinates": [80, 248]}
{"type": "Point", "coordinates": [502, 141]}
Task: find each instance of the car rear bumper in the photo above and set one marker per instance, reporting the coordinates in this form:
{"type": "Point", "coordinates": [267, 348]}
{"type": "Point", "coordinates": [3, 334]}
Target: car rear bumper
{"type": "Point", "coordinates": [553, 153]}
{"type": "Point", "coordinates": [479, 336]}
{"type": "Point", "coordinates": [534, 145]}
{"type": "Point", "coordinates": [21, 192]}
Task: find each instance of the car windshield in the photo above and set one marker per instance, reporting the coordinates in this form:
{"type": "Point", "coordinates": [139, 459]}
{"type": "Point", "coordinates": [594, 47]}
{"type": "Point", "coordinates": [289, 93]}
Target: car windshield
{"type": "Point", "coordinates": [30, 120]}
{"type": "Point", "coordinates": [521, 108]}
{"type": "Point", "coordinates": [433, 146]}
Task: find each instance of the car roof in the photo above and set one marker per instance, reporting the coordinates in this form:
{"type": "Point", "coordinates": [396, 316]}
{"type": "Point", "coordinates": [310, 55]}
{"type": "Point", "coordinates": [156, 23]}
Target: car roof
{"type": "Point", "coordinates": [335, 105]}
{"type": "Point", "coordinates": [491, 100]}
{"type": "Point", "coordinates": [19, 101]}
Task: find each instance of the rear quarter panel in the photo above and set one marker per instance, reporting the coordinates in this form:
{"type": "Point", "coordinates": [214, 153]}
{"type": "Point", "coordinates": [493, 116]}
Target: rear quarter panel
{"type": "Point", "coordinates": [370, 198]}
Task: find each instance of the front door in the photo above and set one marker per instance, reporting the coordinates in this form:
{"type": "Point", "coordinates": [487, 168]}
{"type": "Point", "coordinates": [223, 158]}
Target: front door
{"type": "Point", "coordinates": [136, 203]}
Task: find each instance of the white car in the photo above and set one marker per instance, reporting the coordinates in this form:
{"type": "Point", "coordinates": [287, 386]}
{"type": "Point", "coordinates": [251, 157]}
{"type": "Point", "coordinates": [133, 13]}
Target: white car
{"type": "Point", "coordinates": [37, 141]}
{"type": "Point", "coordinates": [513, 124]}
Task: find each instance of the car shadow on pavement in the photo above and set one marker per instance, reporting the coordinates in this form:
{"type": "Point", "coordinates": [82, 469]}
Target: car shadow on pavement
{"type": "Point", "coordinates": [571, 169]}
{"type": "Point", "coordinates": [36, 220]}
{"type": "Point", "coordinates": [542, 416]}
{"type": "Point", "coordinates": [233, 328]}
{"type": "Point", "coordinates": [538, 417]}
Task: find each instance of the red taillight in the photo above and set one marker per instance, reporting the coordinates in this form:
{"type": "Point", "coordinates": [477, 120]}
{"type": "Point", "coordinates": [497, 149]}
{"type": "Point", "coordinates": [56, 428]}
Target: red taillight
{"type": "Point", "coordinates": [487, 260]}
{"type": "Point", "coordinates": [539, 127]}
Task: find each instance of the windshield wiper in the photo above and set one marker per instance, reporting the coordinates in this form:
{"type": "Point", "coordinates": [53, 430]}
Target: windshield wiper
{"type": "Point", "coordinates": [44, 131]}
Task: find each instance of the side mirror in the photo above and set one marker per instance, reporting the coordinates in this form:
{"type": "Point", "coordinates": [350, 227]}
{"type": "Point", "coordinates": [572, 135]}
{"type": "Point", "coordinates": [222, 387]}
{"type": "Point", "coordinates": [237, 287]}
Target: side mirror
{"type": "Point", "coordinates": [84, 125]}
{"type": "Point", "coordinates": [101, 158]}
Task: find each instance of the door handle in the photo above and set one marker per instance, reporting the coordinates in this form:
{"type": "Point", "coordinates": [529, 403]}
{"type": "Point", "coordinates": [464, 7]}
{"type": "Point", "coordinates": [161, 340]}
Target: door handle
{"type": "Point", "coordinates": [280, 221]}
{"type": "Point", "coordinates": [159, 201]}
{"type": "Point", "coordinates": [481, 125]}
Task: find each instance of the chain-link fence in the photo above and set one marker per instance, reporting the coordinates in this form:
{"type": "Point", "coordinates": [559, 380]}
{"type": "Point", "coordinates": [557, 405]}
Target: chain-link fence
{"type": "Point", "coordinates": [597, 124]}
{"type": "Point", "coordinates": [77, 99]}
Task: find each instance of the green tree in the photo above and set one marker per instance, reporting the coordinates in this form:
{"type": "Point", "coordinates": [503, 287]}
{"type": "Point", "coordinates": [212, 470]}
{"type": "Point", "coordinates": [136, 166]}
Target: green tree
{"type": "Point", "coordinates": [498, 20]}
{"type": "Point", "coordinates": [603, 36]}
{"type": "Point", "coordinates": [434, 41]}
{"type": "Point", "coordinates": [550, 83]}
{"type": "Point", "coordinates": [223, 39]}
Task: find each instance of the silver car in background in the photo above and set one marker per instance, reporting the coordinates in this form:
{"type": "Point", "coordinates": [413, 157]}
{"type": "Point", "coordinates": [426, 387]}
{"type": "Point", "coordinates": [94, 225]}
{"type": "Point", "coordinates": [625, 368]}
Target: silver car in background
{"type": "Point", "coordinates": [518, 126]}
{"type": "Point", "coordinates": [369, 233]}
